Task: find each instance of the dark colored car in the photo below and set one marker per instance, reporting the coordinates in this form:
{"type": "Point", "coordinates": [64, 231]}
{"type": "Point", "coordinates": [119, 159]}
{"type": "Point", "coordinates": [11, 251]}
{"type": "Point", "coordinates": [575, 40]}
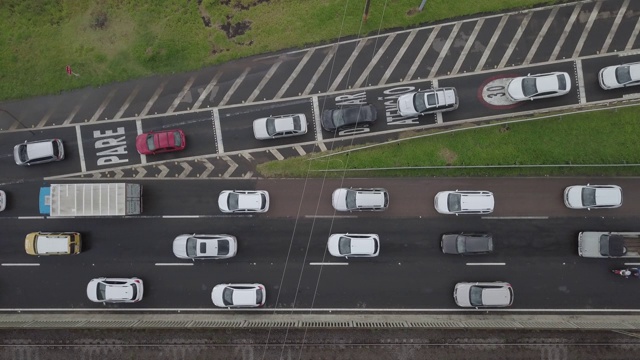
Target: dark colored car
{"type": "Point", "coordinates": [349, 117]}
{"type": "Point", "coordinates": [156, 142]}
{"type": "Point", "coordinates": [466, 244]}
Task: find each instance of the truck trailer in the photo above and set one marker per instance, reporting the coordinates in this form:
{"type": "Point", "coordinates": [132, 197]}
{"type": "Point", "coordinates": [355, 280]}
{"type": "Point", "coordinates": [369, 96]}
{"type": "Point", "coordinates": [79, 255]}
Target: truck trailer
{"type": "Point", "coordinates": [597, 244]}
{"type": "Point", "coordinates": [91, 199]}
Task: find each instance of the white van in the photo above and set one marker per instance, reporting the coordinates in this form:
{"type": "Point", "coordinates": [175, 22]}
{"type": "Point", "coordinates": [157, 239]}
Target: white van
{"type": "Point", "coordinates": [48, 243]}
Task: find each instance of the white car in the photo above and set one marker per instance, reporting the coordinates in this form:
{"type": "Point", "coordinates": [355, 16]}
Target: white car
{"type": "Point", "coordinates": [618, 76]}
{"type": "Point", "coordinates": [3, 200]}
{"type": "Point", "coordinates": [201, 246]}
{"type": "Point", "coordinates": [464, 202]}
{"type": "Point", "coordinates": [483, 294]}
{"type": "Point", "coordinates": [115, 290]}
{"type": "Point", "coordinates": [274, 127]}
{"type": "Point", "coordinates": [593, 196]}
{"type": "Point", "coordinates": [354, 245]}
{"type": "Point", "coordinates": [539, 86]}
{"type": "Point", "coordinates": [238, 295]}
{"type": "Point", "coordinates": [360, 199]}
{"type": "Point", "coordinates": [428, 101]}
{"type": "Point", "coordinates": [38, 152]}
{"type": "Point", "coordinates": [249, 201]}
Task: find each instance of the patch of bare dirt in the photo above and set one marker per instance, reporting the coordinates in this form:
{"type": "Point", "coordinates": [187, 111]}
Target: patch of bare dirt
{"type": "Point", "coordinates": [448, 156]}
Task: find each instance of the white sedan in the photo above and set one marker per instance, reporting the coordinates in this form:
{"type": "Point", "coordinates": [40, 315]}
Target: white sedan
{"type": "Point", "coordinates": [428, 101]}
{"type": "Point", "coordinates": [354, 245]}
{"type": "Point", "coordinates": [201, 246]}
{"type": "Point", "coordinates": [3, 200]}
{"type": "Point", "coordinates": [618, 76]}
{"type": "Point", "coordinates": [115, 290]}
{"type": "Point", "coordinates": [593, 196]}
{"type": "Point", "coordinates": [538, 86]}
{"type": "Point", "coordinates": [249, 201]}
{"type": "Point", "coordinates": [274, 127]}
{"type": "Point", "coordinates": [238, 295]}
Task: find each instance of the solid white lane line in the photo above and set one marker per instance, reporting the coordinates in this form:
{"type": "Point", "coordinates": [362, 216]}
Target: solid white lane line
{"type": "Point", "coordinates": [328, 263]}
{"type": "Point", "coordinates": [420, 311]}
{"type": "Point", "coordinates": [581, 92]}
{"type": "Point", "coordinates": [217, 129]}
{"type": "Point", "coordinates": [515, 217]}
{"type": "Point", "coordinates": [180, 216]}
{"type": "Point", "coordinates": [174, 264]}
{"type": "Point", "coordinates": [20, 264]}
{"type": "Point", "coordinates": [83, 166]}
{"type": "Point", "coordinates": [488, 264]}
{"type": "Point", "coordinates": [330, 216]}
{"type": "Point", "coordinates": [30, 217]}
{"type": "Point", "coordinates": [627, 264]}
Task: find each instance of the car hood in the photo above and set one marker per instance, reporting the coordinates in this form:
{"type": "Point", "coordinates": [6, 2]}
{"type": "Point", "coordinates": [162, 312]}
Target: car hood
{"type": "Point", "coordinates": [405, 105]}
{"type": "Point", "coordinates": [332, 245]}
{"type": "Point", "coordinates": [92, 291]}
{"type": "Point", "coordinates": [260, 129]}
{"type": "Point", "coordinates": [222, 201]}
{"type": "Point", "coordinates": [216, 295]}
{"type": "Point", "coordinates": [440, 202]}
{"type": "Point", "coordinates": [180, 246]}
{"type": "Point", "coordinates": [339, 199]}
{"type": "Point", "coordinates": [141, 144]}
{"type": "Point", "coordinates": [514, 89]}
{"type": "Point", "coordinates": [461, 294]}
{"type": "Point", "coordinates": [450, 243]}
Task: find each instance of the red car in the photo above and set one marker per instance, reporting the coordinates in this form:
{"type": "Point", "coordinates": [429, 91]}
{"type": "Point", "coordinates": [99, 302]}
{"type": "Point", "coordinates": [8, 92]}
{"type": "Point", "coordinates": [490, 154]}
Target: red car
{"type": "Point", "coordinates": [156, 142]}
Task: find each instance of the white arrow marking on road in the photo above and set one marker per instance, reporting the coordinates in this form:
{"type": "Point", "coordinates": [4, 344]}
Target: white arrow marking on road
{"type": "Point", "coordinates": [209, 169]}
{"type": "Point", "coordinates": [232, 166]}
{"type": "Point", "coordinates": [163, 172]}
{"type": "Point", "coordinates": [187, 170]}
{"type": "Point", "coordinates": [141, 172]}
{"type": "Point", "coordinates": [97, 175]}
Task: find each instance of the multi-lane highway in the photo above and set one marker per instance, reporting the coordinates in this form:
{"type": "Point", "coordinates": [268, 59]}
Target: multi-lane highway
{"type": "Point", "coordinates": [535, 248]}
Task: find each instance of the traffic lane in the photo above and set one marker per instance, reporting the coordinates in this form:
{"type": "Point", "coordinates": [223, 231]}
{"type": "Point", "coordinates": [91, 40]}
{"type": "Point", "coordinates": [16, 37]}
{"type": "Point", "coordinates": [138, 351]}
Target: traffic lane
{"type": "Point", "coordinates": [236, 124]}
{"type": "Point", "coordinates": [590, 69]}
{"type": "Point", "coordinates": [484, 94]}
{"type": "Point", "coordinates": [413, 197]}
{"type": "Point", "coordinates": [197, 127]}
{"type": "Point", "coordinates": [12, 172]}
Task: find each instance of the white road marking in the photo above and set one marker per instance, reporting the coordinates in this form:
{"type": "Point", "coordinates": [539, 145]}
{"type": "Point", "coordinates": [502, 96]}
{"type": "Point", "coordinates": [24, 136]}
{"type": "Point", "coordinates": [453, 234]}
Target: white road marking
{"type": "Point", "coordinates": [174, 264]}
{"type": "Point", "coordinates": [181, 216]}
{"type": "Point", "coordinates": [467, 46]}
{"type": "Point", "coordinates": [83, 166]}
{"type": "Point", "coordinates": [488, 264]}
{"type": "Point", "coordinates": [582, 98]}
{"type": "Point", "coordinates": [300, 150]}
{"type": "Point", "coordinates": [177, 100]}
{"type": "Point", "coordinates": [234, 87]}
{"type": "Point", "coordinates": [45, 118]}
{"type": "Point", "coordinates": [232, 166]}
{"type": "Point", "coordinates": [565, 32]}
{"type": "Point", "coordinates": [631, 264]}
{"type": "Point", "coordinates": [30, 217]}
{"type": "Point", "coordinates": [614, 28]}
{"type": "Point", "coordinates": [515, 217]}
{"type": "Point", "coordinates": [276, 154]}
{"type": "Point", "coordinates": [316, 118]}
{"type": "Point", "coordinates": [143, 158]}
{"type": "Point", "coordinates": [331, 216]}
{"type": "Point", "coordinates": [491, 43]}
{"type": "Point", "coordinates": [20, 264]}
{"type": "Point", "coordinates": [423, 51]}
{"type": "Point", "coordinates": [73, 113]}
{"type": "Point", "coordinates": [445, 49]}
{"type": "Point", "coordinates": [540, 36]}
{"type": "Point", "coordinates": [217, 130]}
{"type": "Point", "coordinates": [128, 101]}
{"type": "Point", "coordinates": [206, 91]}
{"type": "Point", "coordinates": [633, 37]}
{"type": "Point", "coordinates": [398, 56]}
{"type": "Point", "coordinates": [294, 74]}
{"type": "Point", "coordinates": [328, 263]}
{"type": "Point", "coordinates": [263, 82]}
{"type": "Point", "coordinates": [312, 82]}
{"type": "Point", "coordinates": [587, 29]}
{"type": "Point", "coordinates": [323, 310]}
{"type": "Point", "coordinates": [103, 105]}
{"type": "Point", "coordinates": [374, 61]}
{"type": "Point", "coordinates": [347, 65]}
{"type": "Point", "coordinates": [515, 40]}
{"type": "Point", "coordinates": [153, 98]}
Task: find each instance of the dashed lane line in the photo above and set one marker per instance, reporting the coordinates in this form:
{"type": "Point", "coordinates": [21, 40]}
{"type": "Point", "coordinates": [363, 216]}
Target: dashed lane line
{"type": "Point", "coordinates": [328, 263]}
{"type": "Point", "coordinates": [20, 264]}
{"type": "Point", "coordinates": [174, 264]}
{"type": "Point", "coordinates": [486, 264]}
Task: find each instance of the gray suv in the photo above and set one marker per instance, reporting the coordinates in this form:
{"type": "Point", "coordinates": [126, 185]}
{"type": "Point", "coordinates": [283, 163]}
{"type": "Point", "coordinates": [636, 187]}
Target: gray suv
{"type": "Point", "coordinates": [38, 152]}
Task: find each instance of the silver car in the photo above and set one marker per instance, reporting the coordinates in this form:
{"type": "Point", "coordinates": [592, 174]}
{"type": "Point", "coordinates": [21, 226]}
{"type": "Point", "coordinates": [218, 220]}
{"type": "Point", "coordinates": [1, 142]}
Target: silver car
{"type": "Point", "coordinates": [428, 101]}
{"type": "Point", "coordinates": [202, 246]}
{"type": "Point", "coordinates": [274, 127]}
{"type": "Point", "coordinates": [38, 152]}
{"type": "Point", "coordinates": [483, 294]}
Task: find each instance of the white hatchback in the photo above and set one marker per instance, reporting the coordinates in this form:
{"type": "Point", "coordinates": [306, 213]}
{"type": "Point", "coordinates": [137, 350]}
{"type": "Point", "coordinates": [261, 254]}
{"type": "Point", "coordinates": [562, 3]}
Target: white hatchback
{"type": "Point", "coordinates": [464, 202]}
{"type": "Point", "coordinates": [483, 294]}
{"type": "Point", "coordinates": [354, 245]}
{"type": "Point", "coordinates": [202, 246]}
{"type": "Point", "coordinates": [238, 295]}
{"type": "Point", "coordinates": [115, 290]}
{"type": "Point", "coordinates": [248, 201]}
{"type": "Point", "coordinates": [274, 127]}
{"type": "Point", "coordinates": [593, 196]}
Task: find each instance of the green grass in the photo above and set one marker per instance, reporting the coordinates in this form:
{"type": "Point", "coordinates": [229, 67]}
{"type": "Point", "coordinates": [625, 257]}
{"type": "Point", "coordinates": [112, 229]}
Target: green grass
{"type": "Point", "coordinates": [600, 137]}
{"type": "Point", "coordinates": [144, 37]}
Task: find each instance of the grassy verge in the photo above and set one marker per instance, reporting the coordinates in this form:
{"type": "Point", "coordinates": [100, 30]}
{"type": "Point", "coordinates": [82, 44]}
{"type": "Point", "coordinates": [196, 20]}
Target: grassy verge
{"type": "Point", "coordinates": [106, 41]}
{"type": "Point", "coordinates": [600, 137]}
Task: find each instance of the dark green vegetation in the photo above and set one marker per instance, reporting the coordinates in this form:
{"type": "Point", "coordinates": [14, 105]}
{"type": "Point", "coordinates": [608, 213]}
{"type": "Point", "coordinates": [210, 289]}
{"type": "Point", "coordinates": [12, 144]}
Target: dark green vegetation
{"type": "Point", "coordinates": [599, 137]}
{"type": "Point", "coordinates": [106, 41]}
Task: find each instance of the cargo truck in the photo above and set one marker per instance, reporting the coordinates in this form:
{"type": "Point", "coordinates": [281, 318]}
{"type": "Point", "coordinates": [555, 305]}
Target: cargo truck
{"type": "Point", "coordinates": [594, 244]}
{"type": "Point", "coordinates": [91, 199]}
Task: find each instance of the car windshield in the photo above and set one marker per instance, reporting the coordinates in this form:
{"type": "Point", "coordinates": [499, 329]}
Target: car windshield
{"type": "Point", "coordinates": [351, 199]}
{"type": "Point", "coordinates": [227, 296]}
{"type": "Point", "coordinates": [344, 245]}
{"type": "Point", "coordinates": [177, 139]}
{"type": "Point", "coordinates": [258, 296]}
{"type": "Point", "coordinates": [453, 202]}
{"type": "Point", "coordinates": [461, 244]}
{"type": "Point", "coordinates": [134, 291]}
{"type": "Point", "coordinates": [22, 153]}
{"type": "Point", "coordinates": [271, 126]}
{"type": "Point", "coordinates": [475, 296]}
{"type": "Point", "coordinates": [529, 87]}
{"type": "Point", "coordinates": [101, 291]}
{"type": "Point", "coordinates": [420, 101]}
{"type": "Point", "coordinates": [223, 247]}
{"type": "Point", "coordinates": [297, 124]}
{"type": "Point", "coordinates": [191, 246]}
{"type": "Point", "coordinates": [623, 74]}
{"type": "Point", "coordinates": [56, 150]}
{"type": "Point", "coordinates": [588, 197]}
{"type": "Point", "coordinates": [150, 144]}
{"type": "Point", "coordinates": [232, 201]}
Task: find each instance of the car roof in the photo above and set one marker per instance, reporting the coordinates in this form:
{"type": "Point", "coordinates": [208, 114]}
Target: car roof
{"type": "Point", "coordinates": [369, 198]}
{"type": "Point", "coordinates": [251, 200]}
{"type": "Point", "coordinates": [476, 202]}
{"type": "Point", "coordinates": [119, 292]}
{"type": "Point", "coordinates": [608, 196]}
{"type": "Point", "coordinates": [496, 296]}
{"type": "Point", "coordinates": [39, 149]}
{"type": "Point", "coordinates": [244, 296]}
{"type": "Point", "coordinates": [363, 245]}
{"type": "Point", "coordinates": [547, 82]}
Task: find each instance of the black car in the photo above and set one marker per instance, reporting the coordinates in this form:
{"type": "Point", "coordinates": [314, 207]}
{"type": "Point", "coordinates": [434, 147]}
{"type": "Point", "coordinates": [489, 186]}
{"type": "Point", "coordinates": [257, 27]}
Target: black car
{"type": "Point", "coordinates": [466, 244]}
{"type": "Point", "coordinates": [348, 117]}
